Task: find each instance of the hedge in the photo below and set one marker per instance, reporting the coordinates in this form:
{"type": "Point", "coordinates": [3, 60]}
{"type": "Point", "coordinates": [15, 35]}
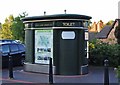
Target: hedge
{"type": "Point", "coordinates": [98, 51]}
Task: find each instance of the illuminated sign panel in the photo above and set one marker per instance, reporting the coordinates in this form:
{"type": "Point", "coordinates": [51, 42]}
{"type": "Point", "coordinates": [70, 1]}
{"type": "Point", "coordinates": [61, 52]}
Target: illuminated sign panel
{"type": "Point", "coordinates": [68, 35]}
{"type": "Point", "coordinates": [43, 46]}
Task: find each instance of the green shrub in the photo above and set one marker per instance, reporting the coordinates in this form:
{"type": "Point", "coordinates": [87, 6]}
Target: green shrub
{"type": "Point", "coordinates": [118, 72]}
{"type": "Point", "coordinates": [102, 50]}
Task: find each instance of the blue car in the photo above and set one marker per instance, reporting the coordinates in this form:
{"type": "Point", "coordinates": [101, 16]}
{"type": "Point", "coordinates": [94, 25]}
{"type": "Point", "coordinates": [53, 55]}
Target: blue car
{"type": "Point", "coordinates": [16, 50]}
{"type": "Point", "coordinates": [9, 41]}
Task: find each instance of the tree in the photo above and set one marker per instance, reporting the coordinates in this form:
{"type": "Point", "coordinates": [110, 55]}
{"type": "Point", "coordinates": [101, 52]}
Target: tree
{"type": "Point", "coordinates": [110, 22]}
{"type": "Point", "coordinates": [0, 29]}
{"type": "Point", "coordinates": [0, 25]}
{"type": "Point", "coordinates": [5, 30]}
{"type": "Point", "coordinates": [18, 27]}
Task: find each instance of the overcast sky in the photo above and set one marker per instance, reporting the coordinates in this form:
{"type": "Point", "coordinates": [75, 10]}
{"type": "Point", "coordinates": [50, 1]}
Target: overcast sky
{"type": "Point", "coordinates": [98, 9]}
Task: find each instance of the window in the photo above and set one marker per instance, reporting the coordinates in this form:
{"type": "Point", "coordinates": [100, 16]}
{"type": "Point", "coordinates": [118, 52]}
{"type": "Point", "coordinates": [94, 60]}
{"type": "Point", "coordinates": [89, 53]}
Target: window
{"type": "Point", "coordinates": [21, 47]}
{"type": "Point", "coordinates": [4, 49]}
{"type": "Point", "coordinates": [13, 48]}
{"type": "Point", "coordinates": [85, 23]}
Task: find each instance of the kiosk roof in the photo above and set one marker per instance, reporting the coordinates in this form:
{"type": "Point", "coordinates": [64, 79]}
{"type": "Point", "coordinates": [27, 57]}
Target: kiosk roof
{"type": "Point", "coordinates": [57, 16]}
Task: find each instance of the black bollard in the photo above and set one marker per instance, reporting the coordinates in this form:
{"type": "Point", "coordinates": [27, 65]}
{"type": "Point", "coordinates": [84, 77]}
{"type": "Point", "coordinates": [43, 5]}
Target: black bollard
{"type": "Point", "coordinates": [50, 72]}
{"type": "Point", "coordinates": [10, 67]}
{"type": "Point", "coordinates": [106, 72]}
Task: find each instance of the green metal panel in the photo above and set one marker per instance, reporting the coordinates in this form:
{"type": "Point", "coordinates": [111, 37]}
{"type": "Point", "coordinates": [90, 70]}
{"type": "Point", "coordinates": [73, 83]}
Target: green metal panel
{"type": "Point", "coordinates": [69, 58]}
{"type": "Point", "coordinates": [29, 42]}
{"type": "Point", "coordinates": [81, 47]}
{"type": "Point", "coordinates": [56, 46]}
{"type": "Point", "coordinates": [68, 53]}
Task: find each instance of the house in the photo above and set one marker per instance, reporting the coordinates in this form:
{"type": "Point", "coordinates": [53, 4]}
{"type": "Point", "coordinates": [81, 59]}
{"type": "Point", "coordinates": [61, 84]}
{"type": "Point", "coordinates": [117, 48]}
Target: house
{"type": "Point", "coordinates": [96, 27]}
{"type": "Point", "coordinates": [107, 33]}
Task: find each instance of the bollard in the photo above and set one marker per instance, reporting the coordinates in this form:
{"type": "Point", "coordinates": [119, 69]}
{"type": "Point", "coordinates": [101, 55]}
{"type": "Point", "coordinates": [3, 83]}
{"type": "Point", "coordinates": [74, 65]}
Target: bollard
{"type": "Point", "coordinates": [10, 67]}
{"type": "Point", "coordinates": [106, 72]}
{"type": "Point", "coordinates": [50, 72]}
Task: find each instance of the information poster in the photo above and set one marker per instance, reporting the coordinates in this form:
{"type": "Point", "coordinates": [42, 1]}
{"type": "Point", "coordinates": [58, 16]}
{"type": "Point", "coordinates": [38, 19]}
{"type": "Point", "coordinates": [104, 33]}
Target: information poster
{"type": "Point", "coordinates": [43, 46]}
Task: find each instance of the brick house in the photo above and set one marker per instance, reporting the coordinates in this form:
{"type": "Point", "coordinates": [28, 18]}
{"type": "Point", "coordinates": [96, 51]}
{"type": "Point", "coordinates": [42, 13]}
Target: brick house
{"type": "Point", "coordinates": [107, 33]}
{"type": "Point", "coordinates": [96, 27]}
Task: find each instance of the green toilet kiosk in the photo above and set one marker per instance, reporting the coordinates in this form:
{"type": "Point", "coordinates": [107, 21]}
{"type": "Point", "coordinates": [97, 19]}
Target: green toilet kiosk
{"type": "Point", "coordinates": [62, 37]}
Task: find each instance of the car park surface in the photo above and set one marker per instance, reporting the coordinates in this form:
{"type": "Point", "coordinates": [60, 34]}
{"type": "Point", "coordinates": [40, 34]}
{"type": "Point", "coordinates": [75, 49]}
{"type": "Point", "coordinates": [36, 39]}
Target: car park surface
{"type": "Point", "coordinates": [94, 77]}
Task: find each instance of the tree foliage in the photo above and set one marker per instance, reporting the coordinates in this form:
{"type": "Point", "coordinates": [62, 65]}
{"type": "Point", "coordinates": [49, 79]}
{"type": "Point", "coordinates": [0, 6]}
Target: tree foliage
{"type": "Point", "coordinates": [18, 27]}
{"type": "Point", "coordinates": [100, 50]}
{"type": "Point", "coordinates": [0, 25]}
{"type": "Point", "coordinates": [13, 28]}
{"type": "Point", "coordinates": [5, 31]}
{"type": "Point", "coordinates": [110, 22]}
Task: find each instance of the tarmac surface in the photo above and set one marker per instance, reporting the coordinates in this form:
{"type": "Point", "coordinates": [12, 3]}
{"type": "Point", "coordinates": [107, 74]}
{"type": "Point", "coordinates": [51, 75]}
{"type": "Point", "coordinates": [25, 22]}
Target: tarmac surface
{"type": "Point", "coordinates": [95, 76]}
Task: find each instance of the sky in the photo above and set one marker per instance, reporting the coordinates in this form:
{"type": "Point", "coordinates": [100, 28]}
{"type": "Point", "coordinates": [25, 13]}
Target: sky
{"type": "Point", "coordinates": [104, 10]}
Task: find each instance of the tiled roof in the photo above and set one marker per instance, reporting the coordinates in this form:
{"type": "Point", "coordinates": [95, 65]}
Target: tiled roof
{"type": "Point", "coordinates": [103, 34]}
{"type": "Point", "coordinates": [92, 36]}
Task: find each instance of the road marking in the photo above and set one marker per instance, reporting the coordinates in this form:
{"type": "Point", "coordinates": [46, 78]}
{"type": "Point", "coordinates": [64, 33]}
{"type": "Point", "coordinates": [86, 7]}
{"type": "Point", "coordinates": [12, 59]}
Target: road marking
{"type": "Point", "coordinates": [15, 81]}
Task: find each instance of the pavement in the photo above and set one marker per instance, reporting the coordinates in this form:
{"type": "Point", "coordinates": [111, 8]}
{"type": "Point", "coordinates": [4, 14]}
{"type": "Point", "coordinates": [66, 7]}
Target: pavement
{"type": "Point", "coordinates": [95, 76]}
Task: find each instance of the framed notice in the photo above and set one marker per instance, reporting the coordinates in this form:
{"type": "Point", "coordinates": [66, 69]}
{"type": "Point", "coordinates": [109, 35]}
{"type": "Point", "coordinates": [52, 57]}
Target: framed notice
{"type": "Point", "coordinates": [43, 46]}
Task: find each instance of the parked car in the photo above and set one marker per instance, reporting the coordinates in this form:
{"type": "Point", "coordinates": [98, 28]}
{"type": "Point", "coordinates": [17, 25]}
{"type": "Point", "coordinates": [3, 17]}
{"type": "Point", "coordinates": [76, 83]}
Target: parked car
{"type": "Point", "coordinates": [9, 41]}
{"type": "Point", "coordinates": [16, 50]}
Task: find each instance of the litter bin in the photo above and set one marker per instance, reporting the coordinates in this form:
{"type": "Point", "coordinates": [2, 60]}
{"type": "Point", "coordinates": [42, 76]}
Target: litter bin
{"type": "Point", "coordinates": [61, 37]}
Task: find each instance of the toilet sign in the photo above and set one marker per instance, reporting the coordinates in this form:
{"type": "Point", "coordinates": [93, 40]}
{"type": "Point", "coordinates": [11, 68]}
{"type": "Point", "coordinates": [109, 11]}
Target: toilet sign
{"type": "Point", "coordinates": [43, 46]}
